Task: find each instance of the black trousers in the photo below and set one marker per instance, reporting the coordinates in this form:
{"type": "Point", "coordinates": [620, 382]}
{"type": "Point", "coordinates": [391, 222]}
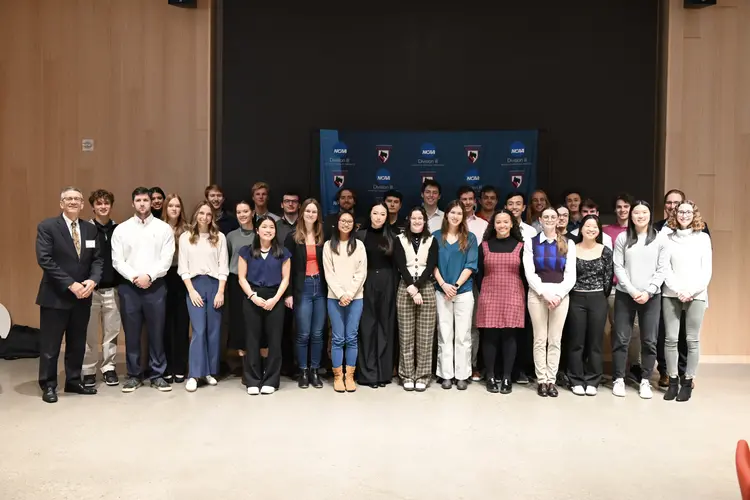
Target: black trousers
{"type": "Point", "coordinates": [661, 360]}
{"type": "Point", "coordinates": [235, 300]}
{"type": "Point", "coordinates": [268, 325]}
{"type": "Point", "coordinates": [525, 346]}
{"type": "Point", "coordinates": [288, 342]}
{"type": "Point", "coordinates": [648, 321]}
{"type": "Point", "coordinates": [53, 324]}
{"type": "Point", "coordinates": [494, 339]}
{"type": "Point", "coordinates": [587, 316]}
{"type": "Point", "coordinates": [136, 306]}
{"type": "Point", "coordinates": [376, 327]}
{"type": "Point", "coordinates": [177, 326]}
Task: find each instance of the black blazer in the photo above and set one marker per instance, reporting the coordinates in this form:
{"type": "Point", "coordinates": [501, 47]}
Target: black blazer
{"type": "Point", "coordinates": [56, 255]}
{"type": "Point", "coordinates": [299, 266]}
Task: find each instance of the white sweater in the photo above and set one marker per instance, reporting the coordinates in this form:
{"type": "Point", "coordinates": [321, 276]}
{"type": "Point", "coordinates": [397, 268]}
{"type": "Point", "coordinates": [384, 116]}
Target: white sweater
{"type": "Point", "coordinates": [690, 264]}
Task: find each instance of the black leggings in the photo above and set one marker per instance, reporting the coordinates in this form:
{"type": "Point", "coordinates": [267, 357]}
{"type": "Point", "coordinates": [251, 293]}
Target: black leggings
{"type": "Point", "coordinates": [494, 339]}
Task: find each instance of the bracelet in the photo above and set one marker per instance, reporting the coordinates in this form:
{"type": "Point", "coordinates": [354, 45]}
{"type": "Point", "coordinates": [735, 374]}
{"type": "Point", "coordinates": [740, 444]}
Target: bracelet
{"type": "Point", "coordinates": [252, 295]}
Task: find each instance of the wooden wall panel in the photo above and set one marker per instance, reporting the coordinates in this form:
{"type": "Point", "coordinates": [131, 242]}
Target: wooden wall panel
{"type": "Point", "coordinates": [132, 75]}
{"type": "Point", "coordinates": [707, 144]}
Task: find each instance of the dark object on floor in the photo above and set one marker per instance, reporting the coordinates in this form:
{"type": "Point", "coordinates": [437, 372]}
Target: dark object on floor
{"type": "Point", "coordinates": [22, 342]}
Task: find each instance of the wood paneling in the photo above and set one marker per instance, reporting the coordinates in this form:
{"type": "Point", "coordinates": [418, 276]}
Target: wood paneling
{"type": "Point", "coordinates": [134, 76]}
{"type": "Point", "coordinates": [707, 144]}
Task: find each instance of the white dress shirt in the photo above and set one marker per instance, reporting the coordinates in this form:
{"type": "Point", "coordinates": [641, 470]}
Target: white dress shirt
{"type": "Point", "coordinates": [527, 231]}
{"type": "Point", "coordinates": [434, 221]}
{"type": "Point", "coordinates": [142, 247]}
{"type": "Point", "coordinates": [477, 226]}
{"type": "Point", "coordinates": [606, 239]}
{"type": "Point", "coordinates": [535, 282]}
{"type": "Point", "coordinates": [69, 222]}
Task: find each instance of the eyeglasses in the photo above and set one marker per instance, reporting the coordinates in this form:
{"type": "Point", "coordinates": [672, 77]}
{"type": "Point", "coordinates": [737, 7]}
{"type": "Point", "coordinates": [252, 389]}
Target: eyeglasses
{"type": "Point", "coordinates": [346, 222]}
{"type": "Point", "coordinates": [550, 217]}
{"type": "Point", "coordinates": [684, 212]}
{"type": "Point", "coordinates": [290, 201]}
{"type": "Point", "coordinates": [671, 203]}
{"type": "Point", "coordinates": [70, 199]}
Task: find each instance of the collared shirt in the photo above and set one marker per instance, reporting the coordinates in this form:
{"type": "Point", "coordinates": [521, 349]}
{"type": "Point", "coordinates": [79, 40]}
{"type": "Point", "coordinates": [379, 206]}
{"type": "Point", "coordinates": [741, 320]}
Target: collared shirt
{"type": "Point", "coordinates": [477, 226]}
{"type": "Point", "coordinates": [550, 263]}
{"type": "Point", "coordinates": [69, 222]}
{"type": "Point", "coordinates": [142, 247]}
{"type": "Point", "coordinates": [283, 228]}
{"type": "Point", "coordinates": [527, 231]}
{"type": "Point", "coordinates": [435, 221]}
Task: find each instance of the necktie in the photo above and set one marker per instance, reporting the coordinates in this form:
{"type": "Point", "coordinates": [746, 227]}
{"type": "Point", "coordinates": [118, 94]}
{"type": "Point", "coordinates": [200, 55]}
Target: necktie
{"type": "Point", "coordinates": [76, 237]}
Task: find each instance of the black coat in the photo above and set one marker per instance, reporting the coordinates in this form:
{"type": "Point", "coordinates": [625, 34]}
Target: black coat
{"type": "Point", "coordinates": [61, 266]}
{"type": "Point", "coordinates": [299, 265]}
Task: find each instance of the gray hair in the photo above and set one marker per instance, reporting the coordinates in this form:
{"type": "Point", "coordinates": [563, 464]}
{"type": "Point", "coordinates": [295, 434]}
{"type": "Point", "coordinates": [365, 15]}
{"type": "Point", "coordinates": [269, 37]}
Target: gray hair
{"type": "Point", "coordinates": [70, 188]}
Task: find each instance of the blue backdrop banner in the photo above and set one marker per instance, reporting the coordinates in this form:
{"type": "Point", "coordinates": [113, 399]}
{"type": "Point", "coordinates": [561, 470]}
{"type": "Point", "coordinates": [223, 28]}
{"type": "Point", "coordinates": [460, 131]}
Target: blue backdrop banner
{"type": "Point", "coordinates": [371, 163]}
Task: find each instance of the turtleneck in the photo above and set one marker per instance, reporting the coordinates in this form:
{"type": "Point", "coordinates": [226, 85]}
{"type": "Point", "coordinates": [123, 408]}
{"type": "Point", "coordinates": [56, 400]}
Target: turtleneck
{"type": "Point", "coordinates": [690, 267]}
{"type": "Point", "coordinates": [374, 243]}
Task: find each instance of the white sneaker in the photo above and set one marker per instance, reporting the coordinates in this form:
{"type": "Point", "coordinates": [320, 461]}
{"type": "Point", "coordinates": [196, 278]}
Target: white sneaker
{"type": "Point", "coordinates": [191, 385]}
{"type": "Point", "coordinates": [420, 386]}
{"type": "Point", "coordinates": [210, 380]}
{"type": "Point", "coordinates": [578, 390]}
{"type": "Point", "coordinates": [645, 391]}
{"type": "Point", "coordinates": [590, 390]}
{"type": "Point", "coordinates": [408, 385]}
{"type": "Point", "coordinates": [253, 391]}
{"type": "Point", "coordinates": [618, 389]}
{"type": "Point", "coordinates": [267, 389]}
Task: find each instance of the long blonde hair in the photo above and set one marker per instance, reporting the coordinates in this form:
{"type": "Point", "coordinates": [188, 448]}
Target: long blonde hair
{"type": "Point", "coordinates": [213, 230]}
{"type": "Point", "coordinates": [181, 226]}
{"type": "Point", "coordinates": [463, 229]}
{"type": "Point", "coordinates": [562, 240]}
{"type": "Point", "coordinates": [300, 232]}
{"type": "Point", "coordinates": [531, 214]}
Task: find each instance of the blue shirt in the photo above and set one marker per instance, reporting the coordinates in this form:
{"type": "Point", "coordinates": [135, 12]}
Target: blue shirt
{"type": "Point", "coordinates": [452, 261]}
{"type": "Point", "coordinates": [265, 273]}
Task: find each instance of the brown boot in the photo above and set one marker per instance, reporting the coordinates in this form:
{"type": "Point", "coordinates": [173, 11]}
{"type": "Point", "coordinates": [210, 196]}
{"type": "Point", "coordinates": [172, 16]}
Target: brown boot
{"type": "Point", "coordinates": [338, 380]}
{"type": "Point", "coordinates": [349, 380]}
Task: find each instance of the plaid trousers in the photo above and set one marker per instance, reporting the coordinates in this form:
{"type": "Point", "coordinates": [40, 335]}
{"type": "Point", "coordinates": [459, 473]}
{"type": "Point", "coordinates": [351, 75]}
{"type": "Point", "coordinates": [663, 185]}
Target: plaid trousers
{"type": "Point", "coordinates": [416, 329]}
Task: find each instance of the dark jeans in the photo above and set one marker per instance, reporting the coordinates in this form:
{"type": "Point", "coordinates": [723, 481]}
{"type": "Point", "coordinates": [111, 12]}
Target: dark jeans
{"type": "Point", "coordinates": [53, 324]}
{"type": "Point", "coordinates": [682, 347]}
{"type": "Point", "coordinates": [136, 306]}
{"type": "Point", "coordinates": [269, 325]}
{"type": "Point", "coordinates": [177, 325]}
{"type": "Point", "coordinates": [648, 319]}
{"type": "Point", "coordinates": [310, 311]}
{"type": "Point", "coordinates": [587, 315]}
{"type": "Point", "coordinates": [494, 339]}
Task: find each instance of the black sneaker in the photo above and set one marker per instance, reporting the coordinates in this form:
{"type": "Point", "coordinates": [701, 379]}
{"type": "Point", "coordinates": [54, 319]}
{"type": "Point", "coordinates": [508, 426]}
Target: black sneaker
{"type": "Point", "coordinates": [168, 378]}
{"type": "Point", "coordinates": [447, 384]}
{"type": "Point", "coordinates": [523, 378]}
{"type": "Point", "coordinates": [462, 385]}
{"type": "Point", "coordinates": [178, 379]}
{"type": "Point", "coordinates": [89, 380]}
{"type": "Point", "coordinates": [131, 384]}
{"type": "Point", "coordinates": [110, 378]}
{"type": "Point", "coordinates": [161, 384]}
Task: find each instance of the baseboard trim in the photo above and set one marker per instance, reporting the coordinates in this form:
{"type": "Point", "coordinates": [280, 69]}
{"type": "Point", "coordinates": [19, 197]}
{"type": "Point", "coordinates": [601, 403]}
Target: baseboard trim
{"type": "Point", "coordinates": [724, 359]}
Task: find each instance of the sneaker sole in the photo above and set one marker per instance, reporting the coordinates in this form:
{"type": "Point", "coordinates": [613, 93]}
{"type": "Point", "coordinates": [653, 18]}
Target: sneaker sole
{"type": "Point", "coordinates": [112, 384]}
{"type": "Point", "coordinates": [164, 389]}
{"type": "Point", "coordinates": [129, 389]}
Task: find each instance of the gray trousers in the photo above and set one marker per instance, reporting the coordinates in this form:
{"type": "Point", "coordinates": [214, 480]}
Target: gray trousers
{"type": "Point", "coordinates": [671, 311]}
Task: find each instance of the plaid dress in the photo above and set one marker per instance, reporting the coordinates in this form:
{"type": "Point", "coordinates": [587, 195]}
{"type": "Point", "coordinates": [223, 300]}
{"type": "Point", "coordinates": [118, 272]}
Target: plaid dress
{"type": "Point", "coordinates": [501, 301]}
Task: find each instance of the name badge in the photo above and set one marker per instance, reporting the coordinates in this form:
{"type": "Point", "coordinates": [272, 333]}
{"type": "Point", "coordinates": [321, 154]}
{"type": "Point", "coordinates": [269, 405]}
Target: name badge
{"type": "Point", "coordinates": [90, 243]}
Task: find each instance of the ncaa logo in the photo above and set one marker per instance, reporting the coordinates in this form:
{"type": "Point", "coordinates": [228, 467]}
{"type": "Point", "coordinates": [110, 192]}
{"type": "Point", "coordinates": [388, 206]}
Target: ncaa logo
{"type": "Point", "coordinates": [517, 149]}
{"type": "Point", "coordinates": [428, 150]}
{"type": "Point", "coordinates": [340, 150]}
{"type": "Point", "coordinates": [383, 176]}
{"type": "Point", "coordinates": [472, 177]}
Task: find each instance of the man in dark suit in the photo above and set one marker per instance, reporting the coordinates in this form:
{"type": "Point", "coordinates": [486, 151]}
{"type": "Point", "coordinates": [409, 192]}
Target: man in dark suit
{"type": "Point", "coordinates": [71, 262]}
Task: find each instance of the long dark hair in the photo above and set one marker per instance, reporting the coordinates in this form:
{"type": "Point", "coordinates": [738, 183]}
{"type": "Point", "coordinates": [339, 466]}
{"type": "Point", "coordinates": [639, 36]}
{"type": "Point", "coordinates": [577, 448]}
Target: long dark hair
{"type": "Point", "coordinates": [387, 232]}
{"type": "Point", "coordinates": [632, 238]}
{"type": "Point", "coordinates": [425, 229]}
{"type": "Point", "coordinates": [336, 235]}
{"type": "Point", "coordinates": [515, 230]}
{"type": "Point", "coordinates": [277, 251]}
{"type": "Point", "coordinates": [599, 237]}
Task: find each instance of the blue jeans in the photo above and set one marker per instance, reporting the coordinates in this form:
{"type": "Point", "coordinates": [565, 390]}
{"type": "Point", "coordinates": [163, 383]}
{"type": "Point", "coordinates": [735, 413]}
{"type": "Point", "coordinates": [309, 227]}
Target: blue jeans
{"type": "Point", "coordinates": [206, 321]}
{"type": "Point", "coordinates": [310, 312]}
{"type": "Point", "coordinates": [344, 329]}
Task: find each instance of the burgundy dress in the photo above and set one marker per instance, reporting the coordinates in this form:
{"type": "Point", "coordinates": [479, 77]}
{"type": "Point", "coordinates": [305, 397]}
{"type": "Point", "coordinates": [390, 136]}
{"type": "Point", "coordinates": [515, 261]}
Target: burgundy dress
{"type": "Point", "coordinates": [501, 300]}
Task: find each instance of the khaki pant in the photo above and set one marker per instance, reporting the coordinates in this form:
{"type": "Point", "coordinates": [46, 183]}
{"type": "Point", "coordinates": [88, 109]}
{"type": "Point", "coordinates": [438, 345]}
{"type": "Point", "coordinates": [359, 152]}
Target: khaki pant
{"type": "Point", "coordinates": [105, 315]}
{"type": "Point", "coordinates": [548, 328]}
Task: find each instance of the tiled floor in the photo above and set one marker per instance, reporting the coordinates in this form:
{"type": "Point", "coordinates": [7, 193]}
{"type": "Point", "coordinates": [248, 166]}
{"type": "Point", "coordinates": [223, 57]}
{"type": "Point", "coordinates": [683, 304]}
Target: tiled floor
{"type": "Point", "coordinates": [219, 443]}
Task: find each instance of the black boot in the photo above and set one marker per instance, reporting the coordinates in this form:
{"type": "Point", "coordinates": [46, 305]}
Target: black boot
{"type": "Point", "coordinates": [314, 378]}
{"type": "Point", "coordinates": [673, 387]}
{"type": "Point", "coordinates": [302, 378]}
{"type": "Point", "coordinates": [686, 390]}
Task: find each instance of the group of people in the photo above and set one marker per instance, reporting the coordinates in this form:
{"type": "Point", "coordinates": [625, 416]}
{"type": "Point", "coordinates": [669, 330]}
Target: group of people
{"type": "Point", "coordinates": [501, 298]}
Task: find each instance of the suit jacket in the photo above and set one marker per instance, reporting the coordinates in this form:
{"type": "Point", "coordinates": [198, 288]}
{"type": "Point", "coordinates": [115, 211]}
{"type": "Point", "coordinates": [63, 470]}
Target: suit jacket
{"type": "Point", "coordinates": [61, 266]}
{"type": "Point", "coordinates": [299, 266]}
